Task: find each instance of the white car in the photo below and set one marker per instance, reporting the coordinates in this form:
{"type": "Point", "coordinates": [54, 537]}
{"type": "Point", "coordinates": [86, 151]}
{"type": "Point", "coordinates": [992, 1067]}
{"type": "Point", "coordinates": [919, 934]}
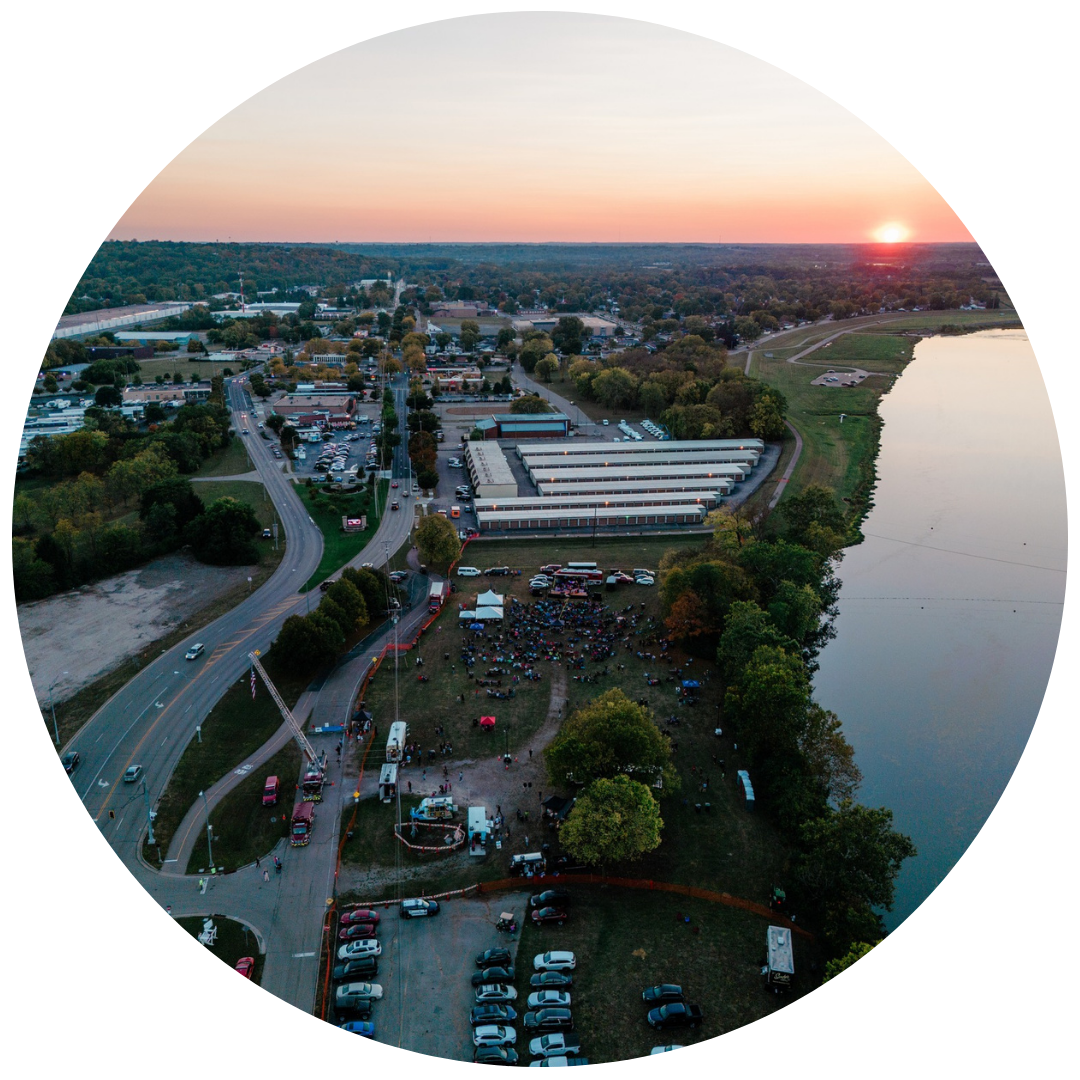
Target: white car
{"type": "Point", "coordinates": [353, 950]}
{"type": "Point", "coordinates": [195, 651]}
{"type": "Point", "coordinates": [556, 1044]}
{"type": "Point", "coordinates": [495, 992]}
{"type": "Point", "coordinates": [360, 991]}
{"type": "Point", "coordinates": [417, 908]}
{"type": "Point", "coordinates": [467, 571]}
{"type": "Point", "coordinates": [544, 999]}
{"type": "Point", "coordinates": [132, 774]}
{"type": "Point", "coordinates": [494, 1035]}
{"type": "Point", "coordinates": [556, 960]}
{"type": "Point", "coordinates": [644, 581]}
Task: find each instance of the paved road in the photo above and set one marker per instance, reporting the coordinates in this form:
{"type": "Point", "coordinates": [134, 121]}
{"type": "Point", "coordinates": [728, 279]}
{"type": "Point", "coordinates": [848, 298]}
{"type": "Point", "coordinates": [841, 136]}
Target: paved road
{"type": "Point", "coordinates": [151, 720]}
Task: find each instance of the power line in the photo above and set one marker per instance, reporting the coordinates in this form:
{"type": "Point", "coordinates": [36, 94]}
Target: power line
{"type": "Point", "coordinates": [969, 554]}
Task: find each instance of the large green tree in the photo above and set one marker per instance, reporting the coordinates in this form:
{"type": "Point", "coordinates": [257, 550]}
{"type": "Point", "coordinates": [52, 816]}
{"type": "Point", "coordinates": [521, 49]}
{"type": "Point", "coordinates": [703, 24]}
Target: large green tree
{"type": "Point", "coordinates": [437, 541]}
{"type": "Point", "coordinates": [847, 865]}
{"type": "Point", "coordinates": [223, 535]}
{"type": "Point", "coordinates": [609, 737]}
{"type": "Point", "coordinates": [569, 335]}
{"type": "Point", "coordinates": [614, 820]}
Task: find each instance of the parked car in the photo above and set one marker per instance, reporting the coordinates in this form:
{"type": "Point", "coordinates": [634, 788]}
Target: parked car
{"type": "Point", "coordinates": [543, 999]}
{"type": "Point", "coordinates": [493, 975]}
{"type": "Point", "coordinates": [549, 1020]}
{"type": "Point", "coordinates": [467, 571]}
{"type": "Point", "coordinates": [644, 581]}
{"type": "Point", "coordinates": [194, 652]}
{"type": "Point", "coordinates": [353, 950]}
{"type": "Point", "coordinates": [556, 979]}
{"type": "Point", "coordinates": [665, 1049]}
{"type": "Point", "coordinates": [497, 992]}
{"type": "Point", "coordinates": [494, 1035]}
{"type": "Point", "coordinates": [267, 534]}
{"type": "Point", "coordinates": [359, 915]}
{"type": "Point", "coordinates": [560, 1059]}
{"type": "Point", "coordinates": [360, 1027]}
{"type": "Point", "coordinates": [492, 1014]}
{"type": "Point", "coordinates": [549, 915]}
{"type": "Point", "coordinates": [360, 991]}
{"type": "Point", "coordinates": [555, 960]}
{"type": "Point", "coordinates": [675, 1014]}
{"type": "Point", "coordinates": [556, 1044]}
{"type": "Point", "coordinates": [493, 956]}
{"type": "Point", "coordinates": [246, 966]}
{"type": "Point", "coordinates": [363, 968]}
{"type": "Point", "coordinates": [132, 774]}
{"type": "Point", "coordinates": [662, 994]}
{"type": "Point", "coordinates": [356, 930]}
{"type": "Point", "coordinates": [550, 898]}
{"type": "Point", "coordinates": [415, 909]}
{"type": "Point", "coordinates": [498, 571]}
{"type": "Point", "coordinates": [495, 1055]}
{"type": "Point", "coordinates": [70, 760]}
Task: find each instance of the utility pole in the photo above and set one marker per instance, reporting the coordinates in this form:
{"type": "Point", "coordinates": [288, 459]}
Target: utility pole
{"type": "Point", "coordinates": [52, 709]}
{"type": "Point", "coordinates": [209, 845]}
{"type": "Point", "coordinates": [150, 815]}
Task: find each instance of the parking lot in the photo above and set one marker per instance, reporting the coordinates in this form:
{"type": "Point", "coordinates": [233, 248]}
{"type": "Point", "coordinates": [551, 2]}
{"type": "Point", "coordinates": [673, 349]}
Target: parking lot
{"type": "Point", "coordinates": [426, 971]}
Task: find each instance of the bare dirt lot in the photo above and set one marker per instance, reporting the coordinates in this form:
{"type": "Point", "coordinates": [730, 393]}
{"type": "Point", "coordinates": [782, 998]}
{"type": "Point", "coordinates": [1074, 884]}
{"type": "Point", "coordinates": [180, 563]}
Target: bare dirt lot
{"type": "Point", "coordinates": [72, 639]}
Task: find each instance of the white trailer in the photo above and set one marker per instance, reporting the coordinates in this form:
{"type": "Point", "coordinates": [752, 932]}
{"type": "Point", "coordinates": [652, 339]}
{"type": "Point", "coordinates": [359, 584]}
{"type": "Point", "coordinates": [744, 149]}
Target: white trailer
{"type": "Point", "coordinates": [395, 742]}
{"type": "Point", "coordinates": [480, 827]}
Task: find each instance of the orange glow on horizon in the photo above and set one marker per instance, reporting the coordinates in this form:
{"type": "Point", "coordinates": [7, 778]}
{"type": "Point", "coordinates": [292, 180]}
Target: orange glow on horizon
{"type": "Point", "coordinates": [893, 233]}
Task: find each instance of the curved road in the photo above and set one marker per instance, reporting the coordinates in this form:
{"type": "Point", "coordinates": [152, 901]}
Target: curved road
{"type": "Point", "coordinates": [151, 720]}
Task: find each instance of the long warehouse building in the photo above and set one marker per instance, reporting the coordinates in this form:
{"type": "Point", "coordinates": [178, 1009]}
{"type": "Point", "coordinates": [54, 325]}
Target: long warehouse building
{"type": "Point", "coordinates": [620, 487]}
{"type": "Point", "coordinates": [708, 499]}
{"type": "Point", "coordinates": [507, 520]}
{"type": "Point", "coordinates": [551, 467]}
{"type": "Point", "coordinates": [579, 446]}
{"type": "Point", "coordinates": [655, 473]}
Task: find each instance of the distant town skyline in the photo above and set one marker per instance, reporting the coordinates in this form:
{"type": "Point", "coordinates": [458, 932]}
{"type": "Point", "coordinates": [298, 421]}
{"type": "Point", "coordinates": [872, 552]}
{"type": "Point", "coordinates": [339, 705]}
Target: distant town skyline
{"type": "Point", "coordinates": [540, 127]}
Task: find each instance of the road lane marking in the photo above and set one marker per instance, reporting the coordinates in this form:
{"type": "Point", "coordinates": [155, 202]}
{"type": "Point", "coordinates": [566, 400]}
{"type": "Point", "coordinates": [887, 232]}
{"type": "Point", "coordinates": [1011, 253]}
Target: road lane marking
{"type": "Point", "coordinates": [302, 955]}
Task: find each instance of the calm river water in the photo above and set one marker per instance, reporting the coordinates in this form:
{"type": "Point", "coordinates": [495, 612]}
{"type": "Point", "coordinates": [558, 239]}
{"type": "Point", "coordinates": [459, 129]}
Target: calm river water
{"type": "Point", "coordinates": [950, 609]}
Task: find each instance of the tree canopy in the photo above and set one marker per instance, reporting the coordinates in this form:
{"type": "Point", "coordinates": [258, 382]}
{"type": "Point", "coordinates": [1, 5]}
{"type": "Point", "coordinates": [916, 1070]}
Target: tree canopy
{"type": "Point", "coordinates": [614, 820]}
{"type": "Point", "coordinates": [609, 737]}
{"type": "Point", "coordinates": [437, 541]}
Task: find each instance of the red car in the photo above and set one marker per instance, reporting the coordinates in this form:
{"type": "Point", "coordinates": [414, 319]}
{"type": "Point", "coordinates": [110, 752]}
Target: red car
{"type": "Point", "coordinates": [246, 966]}
{"type": "Point", "coordinates": [549, 915]}
{"type": "Point", "coordinates": [394, 484]}
{"type": "Point", "coordinates": [357, 930]}
{"type": "Point", "coordinates": [359, 915]}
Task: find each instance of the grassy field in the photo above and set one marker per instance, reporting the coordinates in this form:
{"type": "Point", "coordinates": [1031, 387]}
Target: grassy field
{"type": "Point", "coordinates": [724, 848]}
{"type": "Point", "coordinates": [243, 827]}
{"type": "Point", "coordinates": [327, 511]}
{"type": "Point", "coordinates": [188, 364]}
{"type": "Point", "coordinates": [246, 491]}
{"type": "Point", "coordinates": [233, 460]}
{"type": "Point", "coordinates": [626, 940]}
{"type": "Point", "coordinates": [236, 727]}
{"type": "Point", "coordinates": [233, 941]}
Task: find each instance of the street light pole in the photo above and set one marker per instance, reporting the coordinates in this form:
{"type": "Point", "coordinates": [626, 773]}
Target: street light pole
{"type": "Point", "coordinates": [209, 844]}
{"type": "Point", "coordinates": [149, 816]}
{"type": "Point", "coordinates": [52, 709]}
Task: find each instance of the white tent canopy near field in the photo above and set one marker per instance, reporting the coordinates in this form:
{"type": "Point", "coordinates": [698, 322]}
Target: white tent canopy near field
{"type": "Point", "coordinates": [489, 599]}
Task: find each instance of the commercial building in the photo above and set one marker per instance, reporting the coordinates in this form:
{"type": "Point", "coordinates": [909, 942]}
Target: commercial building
{"type": "Point", "coordinates": [335, 410]}
{"type": "Point", "coordinates": [596, 517]}
{"type": "Point", "coordinates": [145, 337]}
{"type": "Point", "coordinates": [628, 487]}
{"type": "Point", "coordinates": [489, 471]}
{"type": "Point", "coordinates": [528, 426]}
{"type": "Point", "coordinates": [655, 473]}
{"type": "Point", "coordinates": [708, 499]}
{"type": "Point", "coordinates": [578, 447]}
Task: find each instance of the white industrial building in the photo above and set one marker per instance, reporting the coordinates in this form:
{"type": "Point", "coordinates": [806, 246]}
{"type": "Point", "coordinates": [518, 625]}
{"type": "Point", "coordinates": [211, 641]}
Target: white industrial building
{"type": "Point", "coordinates": [579, 446]}
{"type": "Point", "coordinates": [595, 517]}
{"type": "Point", "coordinates": [627, 487]}
{"type": "Point", "coordinates": [489, 471]}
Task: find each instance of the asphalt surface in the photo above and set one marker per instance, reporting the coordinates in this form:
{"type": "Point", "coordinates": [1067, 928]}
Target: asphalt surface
{"type": "Point", "coordinates": [152, 719]}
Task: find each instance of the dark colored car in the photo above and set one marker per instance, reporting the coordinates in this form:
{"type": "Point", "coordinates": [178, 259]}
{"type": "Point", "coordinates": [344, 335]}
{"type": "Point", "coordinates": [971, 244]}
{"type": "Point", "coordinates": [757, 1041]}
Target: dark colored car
{"type": "Point", "coordinates": [357, 930]}
{"type": "Point", "coordinates": [353, 970]}
{"type": "Point", "coordinates": [551, 980]}
{"type": "Point", "coordinates": [495, 1055]}
{"type": "Point", "coordinates": [676, 1014]}
{"type": "Point", "coordinates": [550, 898]}
{"type": "Point", "coordinates": [357, 1010]}
{"type": "Point", "coordinates": [491, 957]}
{"type": "Point", "coordinates": [493, 975]}
{"type": "Point", "coordinates": [70, 760]}
{"type": "Point", "coordinates": [549, 915]}
{"type": "Point", "coordinates": [662, 994]}
{"type": "Point", "coordinates": [497, 571]}
{"type": "Point", "coordinates": [359, 915]}
{"type": "Point", "coordinates": [492, 1014]}
{"type": "Point", "coordinates": [549, 1020]}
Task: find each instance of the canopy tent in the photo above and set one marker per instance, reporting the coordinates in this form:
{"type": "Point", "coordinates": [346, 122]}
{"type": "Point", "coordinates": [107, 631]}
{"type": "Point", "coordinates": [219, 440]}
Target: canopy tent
{"type": "Point", "coordinates": [557, 806]}
{"type": "Point", "coordinates": [483, 614]}
{"type": "Point", "coordinates": [487, 721]}
{"type": "Point", "coordinates": [489, 599]}
{"type": "Point", "coordinates": [690, 684]}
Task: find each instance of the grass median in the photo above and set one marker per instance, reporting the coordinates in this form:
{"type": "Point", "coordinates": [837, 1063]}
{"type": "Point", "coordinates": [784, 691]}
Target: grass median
{"type": "Point", "coordinates": [326, 510]}
{"type": "Point", "coordinates": [233, 941]}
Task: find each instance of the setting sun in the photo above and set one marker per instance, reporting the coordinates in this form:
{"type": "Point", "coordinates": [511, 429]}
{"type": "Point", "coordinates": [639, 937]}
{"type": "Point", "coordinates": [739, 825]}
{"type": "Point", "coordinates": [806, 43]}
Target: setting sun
{"type": "Point", "coordinates": [891, 233]}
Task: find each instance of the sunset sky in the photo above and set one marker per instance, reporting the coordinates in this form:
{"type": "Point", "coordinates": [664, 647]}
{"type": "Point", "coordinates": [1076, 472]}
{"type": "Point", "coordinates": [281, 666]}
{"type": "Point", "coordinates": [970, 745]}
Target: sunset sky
{"type": "Point", "coordinates": [540, 127]}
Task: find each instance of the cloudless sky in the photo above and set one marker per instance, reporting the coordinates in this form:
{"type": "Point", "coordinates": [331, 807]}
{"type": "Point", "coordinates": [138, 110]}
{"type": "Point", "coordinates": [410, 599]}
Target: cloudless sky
{"type": "Point", "coordinates": [540, 127]}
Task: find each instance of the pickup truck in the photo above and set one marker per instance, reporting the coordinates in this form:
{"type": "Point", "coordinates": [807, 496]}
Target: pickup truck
{"type": "Point", "coordinates": [675, 1014]}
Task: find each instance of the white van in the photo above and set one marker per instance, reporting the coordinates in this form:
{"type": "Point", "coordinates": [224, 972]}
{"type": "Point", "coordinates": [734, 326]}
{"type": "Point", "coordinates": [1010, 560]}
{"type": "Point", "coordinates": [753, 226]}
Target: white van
{"type": "Point", "coordinates": [467, 571]}
{"type": "Point", "coordinates": [395, 743]}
